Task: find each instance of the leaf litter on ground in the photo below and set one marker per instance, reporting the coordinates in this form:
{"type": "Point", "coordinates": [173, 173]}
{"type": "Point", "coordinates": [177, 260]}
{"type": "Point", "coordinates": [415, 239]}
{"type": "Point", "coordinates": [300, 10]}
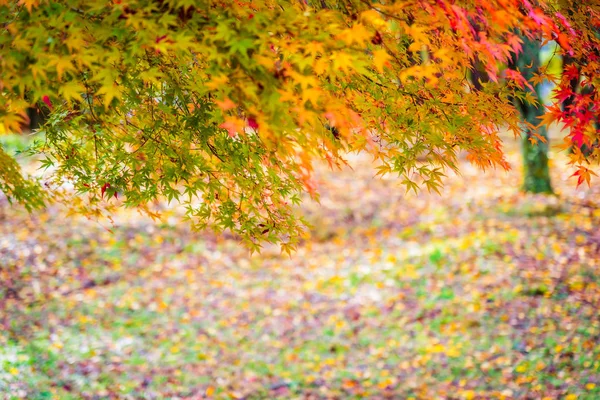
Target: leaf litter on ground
{"type": "Point", "coordinates": [482, 292]}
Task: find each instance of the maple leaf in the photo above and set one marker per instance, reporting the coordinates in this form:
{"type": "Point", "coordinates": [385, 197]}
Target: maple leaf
{"type": "Point", "coordinates": [226, 104]}
{"type": "Point", "coordinates": [357, 34]}
{"type": "Point", "coordinates": [314, 48]}
{"type": "Point", "coordinates": [217, 82]}
{"type": "Point", "coordinates": [539, 17]}
{"type": "Point", "coordinates": [374, 18]}
{"type": "Point", "coordinates": [515, 42]}
{"type": "Point", "coordinates": [252, 123]}
{"type": "Point", "coordinates": [571, 72]}
{"type": "Point", "coordinates": [583, 174]}
{"type": "Point", "coordinates": [29, 4]}
{"type": "Point", "coordinates": [103, 188]}
{"type": "Point", "coordinates": [241, 46]}
{"type": "Point", "coordinates": [312, 95]}
{"type": "Point", "coordinates": [578, 137]}
{"type": "Point", "coordinates": [537, 79]}
{"type": "Point", "coordinates": [343, 61]}
{"type": "Point", "coordinates": [72, 90]}
{"type": "Point", "coordinates": [492, 73]}
{"type": "Point", "coordinates": [12, 122]}
{"type": "Point", "coordinates": [563, 41]}
{"type": "Point", "coordinates": [547, 118]}
{"type": "Point", "coordinates": [563, 93]}
{"type": "Point", "coordinates": [38, 70]}
{"type": "Point", "coordinates": [62, 64]}
{"type": "Point", "coordinates": [536, 136]}
{"type": "Point", "coordinates": [110, 92]}
{"type": "Point", "coordinates": [47, 101]}
{"type": "Point", "coordinates": [75, 42]}
{"type": "Point", "coordinates": [233, 126]}
{"type": "Point", "coordinates": [287, 96]}
{"type": "Point", "coordinates": [305, 81]}
{"type": "Point", "coordinates": [381, 59]}
{"type": "Point", "coordinates": [518, 78]}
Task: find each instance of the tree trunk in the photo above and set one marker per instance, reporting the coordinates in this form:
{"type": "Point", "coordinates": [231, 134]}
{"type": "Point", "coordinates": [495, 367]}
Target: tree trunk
{"type": "Point", "coordinates": [535, 155]}
{"type": "Point", "coordinates": [36, 119]}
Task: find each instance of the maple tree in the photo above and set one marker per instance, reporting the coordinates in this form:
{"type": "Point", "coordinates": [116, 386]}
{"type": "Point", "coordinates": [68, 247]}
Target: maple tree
{"type": "Point", "coordinates": [225, 106]}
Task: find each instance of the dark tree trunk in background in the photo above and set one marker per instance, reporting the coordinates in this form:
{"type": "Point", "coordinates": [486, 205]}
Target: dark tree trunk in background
{"type": "Point", "coordinates": [536, 172]}
{"type": "Point", "coordinates": [36, 118]}
{"type": "Point", "coordinates": [535, 155]}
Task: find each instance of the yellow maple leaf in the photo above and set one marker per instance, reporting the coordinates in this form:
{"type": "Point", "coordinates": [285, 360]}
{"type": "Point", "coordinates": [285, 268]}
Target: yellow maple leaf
{"type": "Point", "coordinates": [305, 81]}
{"type": "Point", "coordinates": [342, 61]}
{"type": "Point", "coordinates": [21, 43]}
{"type": "Point", "coordinates": [12, 122]}
{"type": "Point", "coordinates": [267, 62]}
{"type": "Point", "coordinates": [373, 17]}
{"type": "Point", "coordinates": [311, 95]}
{"type": "Point", "coordinates": [217, 82]}
{"type": "Point", "coordinates": [547, 119]}
{"type": "Point", "coordinates": [357, 34]}
{"type": "Point", "coordinates": [37, 70]}
{"type": "Point", "coordinates": [110, 92]}
{"type": "Point", "coordinates": [419, 34]}
{"type": "Point", "coordinates": [287, 95]}
{"type": "Point", "coordinates": [62, 64]}
{"type": "Point", "coordinates": [380, 59]}
{"type": "Point", "coordinates": [72, 91]}
{"type": "Point", "coordinates": [320, 66]}
{"type": "Point", "coordinates": [75, 42]}
{"type": "Point", "coordinates": [314, 48]}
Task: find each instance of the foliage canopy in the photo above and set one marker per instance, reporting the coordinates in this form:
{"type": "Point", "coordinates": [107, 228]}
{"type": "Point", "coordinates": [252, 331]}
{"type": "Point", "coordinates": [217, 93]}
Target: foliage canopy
{"type": "Point", "coordinates": [226, 105]}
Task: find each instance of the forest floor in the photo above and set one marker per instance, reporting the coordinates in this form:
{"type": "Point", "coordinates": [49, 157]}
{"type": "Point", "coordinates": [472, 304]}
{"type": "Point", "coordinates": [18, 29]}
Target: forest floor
{"type": "Point", "coordinates": [480, 293]}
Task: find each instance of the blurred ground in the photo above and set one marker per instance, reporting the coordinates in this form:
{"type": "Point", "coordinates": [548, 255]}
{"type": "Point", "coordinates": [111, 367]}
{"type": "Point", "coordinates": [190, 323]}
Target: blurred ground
{"type": "Point", "coordinates": [479, 293]}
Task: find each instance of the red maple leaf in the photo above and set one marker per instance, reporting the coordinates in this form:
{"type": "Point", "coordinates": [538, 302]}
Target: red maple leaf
{"type": "Point", "coordinates": [252, 123]}
{"type": "Point", "coordinates": [46, 100]}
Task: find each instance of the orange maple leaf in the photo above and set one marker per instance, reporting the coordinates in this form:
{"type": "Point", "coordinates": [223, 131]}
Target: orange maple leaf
{"type": "Point", "coordinates": [233, 126]}
{"type": "Point", "coordinates": [226, 104]}
{"type": "Point", "coordinates": [29, 4]}
{"type": "Point", "coordinates": [583, 174]}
